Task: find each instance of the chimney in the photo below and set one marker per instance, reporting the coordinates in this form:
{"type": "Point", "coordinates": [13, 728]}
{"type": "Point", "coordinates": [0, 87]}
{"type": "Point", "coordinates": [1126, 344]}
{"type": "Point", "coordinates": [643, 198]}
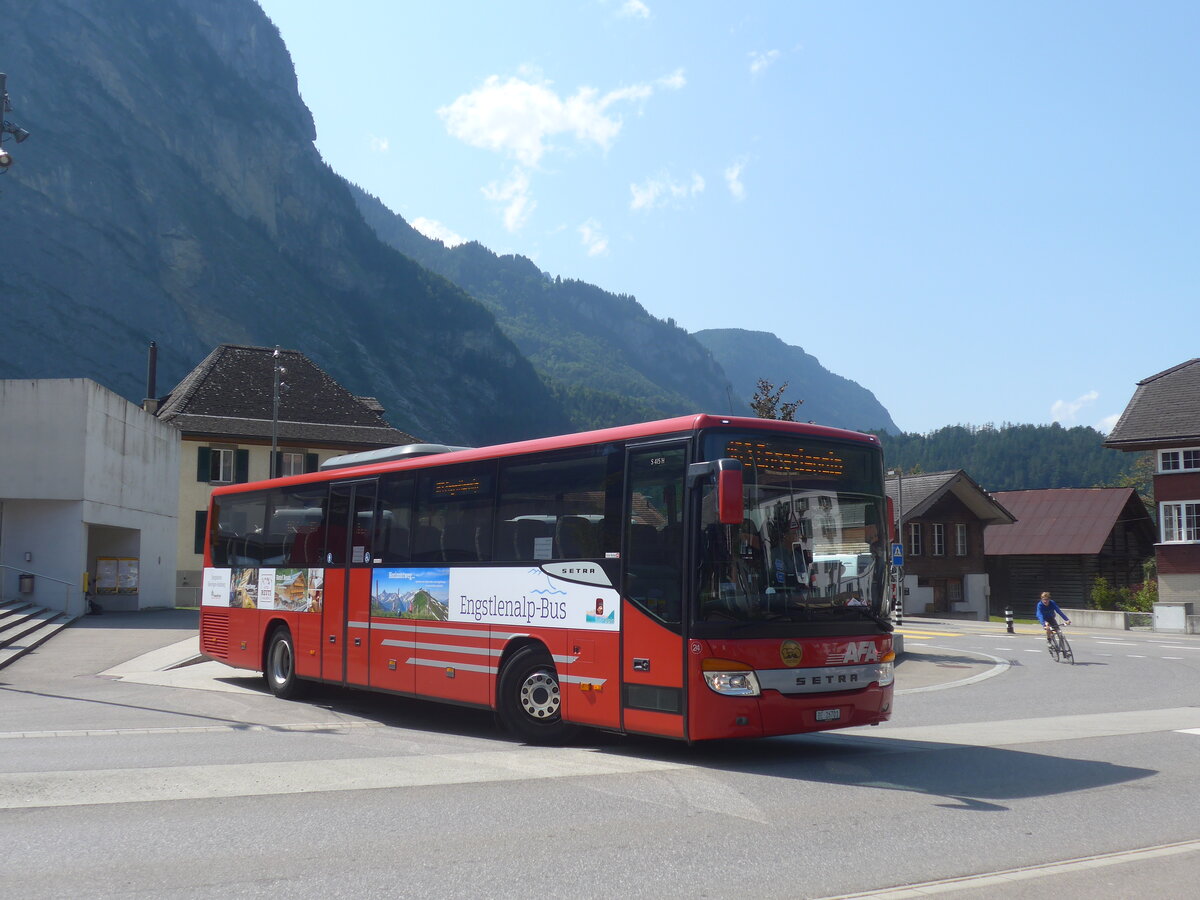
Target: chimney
{"type": "Point", "coordinates": [150, 404]}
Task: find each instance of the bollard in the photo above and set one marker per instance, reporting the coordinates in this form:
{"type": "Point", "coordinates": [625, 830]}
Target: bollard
{"type": "Point", "coordinates": [899, 607]}
{"type": "Point", "coordinates": [1008, 619]}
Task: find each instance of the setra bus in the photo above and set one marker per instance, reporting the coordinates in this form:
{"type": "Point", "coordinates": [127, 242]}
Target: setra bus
{"type": "Point", "coordinates": [694, 578]}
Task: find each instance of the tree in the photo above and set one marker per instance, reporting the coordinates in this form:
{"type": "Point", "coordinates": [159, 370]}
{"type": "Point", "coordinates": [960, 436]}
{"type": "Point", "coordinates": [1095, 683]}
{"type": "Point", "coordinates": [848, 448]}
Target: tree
{"type": "Point", "coordinates": [766, 405]}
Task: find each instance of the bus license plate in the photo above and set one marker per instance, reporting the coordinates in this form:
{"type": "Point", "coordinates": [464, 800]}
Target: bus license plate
{"type": "Point", "coordinates": [828, 715]}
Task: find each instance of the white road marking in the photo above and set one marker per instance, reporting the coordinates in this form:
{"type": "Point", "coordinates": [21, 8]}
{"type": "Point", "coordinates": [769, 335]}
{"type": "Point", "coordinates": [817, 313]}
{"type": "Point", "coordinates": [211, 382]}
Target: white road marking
{"type": "Point", "coordinates": [147, 785]}
{"type": "Point", "coordinates": [1006, 877]}
{"type": "Point", "coordinates": [1034, 731]}
{"type": "Point", "coordinates": [1118, 643]}
{"type": "Point", "coordinates": [323, 727]}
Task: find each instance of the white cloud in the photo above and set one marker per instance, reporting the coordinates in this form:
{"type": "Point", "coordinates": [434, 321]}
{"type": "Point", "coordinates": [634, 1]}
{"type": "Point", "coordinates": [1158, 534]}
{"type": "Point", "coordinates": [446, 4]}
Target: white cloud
{"type": "Point", "coordinates": [672, 82]}
{"type": "Point", "coordinates": [378, 144]}
{"type": "Point", "coordinates": [439, 232]}
{"type": "Point", "coordinates": [634, 9]}
{"type": "Point", "coordinates": [1108, 423]}
{"type": "Point", "coordinates": [593, 238]}
{"type": "Point", "coordinates": [733, 179]}
{"type": "Point", "coordinates": [761, 59]}
{"type": "Point", "coordinates": [664, 190]}
{"type": "Point", "coordinates": [519, 117]}
{"type": "Point", "coordinates": [513, 195]}
{"type": "Point", "coordinates": [1066, 411]}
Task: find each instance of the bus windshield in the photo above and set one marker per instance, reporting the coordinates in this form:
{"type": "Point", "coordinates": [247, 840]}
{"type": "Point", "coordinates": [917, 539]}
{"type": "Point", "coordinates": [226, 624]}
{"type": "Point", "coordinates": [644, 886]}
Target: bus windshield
{"type": "Point", "coordinates": [810, 547]}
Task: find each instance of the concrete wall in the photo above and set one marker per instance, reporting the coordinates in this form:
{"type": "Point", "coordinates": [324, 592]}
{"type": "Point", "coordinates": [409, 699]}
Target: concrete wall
{"type": "Point", "coordinates": [75, 459]}
{"type": "Point", "coordinates": [1179, 588]}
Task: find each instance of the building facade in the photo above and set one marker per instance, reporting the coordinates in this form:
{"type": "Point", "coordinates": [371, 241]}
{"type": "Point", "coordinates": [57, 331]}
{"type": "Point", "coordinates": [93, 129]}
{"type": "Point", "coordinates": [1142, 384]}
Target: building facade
{"type": "Point", "coordinates": [1163, 418]}
{"type": "Point", "coordinates": [89, 491]}
{"type": "Point", "coordinates": [942, 517]}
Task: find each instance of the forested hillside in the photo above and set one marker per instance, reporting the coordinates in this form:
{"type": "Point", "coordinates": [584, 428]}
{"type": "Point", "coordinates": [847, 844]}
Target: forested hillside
{"type": "Point", "coordinates": [1013, 457]}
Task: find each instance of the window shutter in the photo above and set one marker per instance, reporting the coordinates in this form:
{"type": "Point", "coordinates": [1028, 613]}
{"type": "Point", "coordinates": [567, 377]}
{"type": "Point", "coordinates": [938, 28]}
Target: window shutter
{"type": "Point", "coordinates": [201, 522]}
{"type": "Point", "coordinates": [203, 464]}
{"type": "Point", "coordinates": [242, 467]}
{"type": "Point", "coordinates": [310, 462]}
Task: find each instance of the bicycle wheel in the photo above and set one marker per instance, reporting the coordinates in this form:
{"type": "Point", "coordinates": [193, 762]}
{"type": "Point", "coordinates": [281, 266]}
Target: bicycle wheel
{"type": "Point", "coordinates": [1053, 646]}
{"type": "Point", "coordinates": [1066, 649]}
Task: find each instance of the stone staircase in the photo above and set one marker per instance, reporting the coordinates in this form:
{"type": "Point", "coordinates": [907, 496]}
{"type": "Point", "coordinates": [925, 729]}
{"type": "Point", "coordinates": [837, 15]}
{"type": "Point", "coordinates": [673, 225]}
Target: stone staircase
{"type": "Point", "coordinates": [24, 626]}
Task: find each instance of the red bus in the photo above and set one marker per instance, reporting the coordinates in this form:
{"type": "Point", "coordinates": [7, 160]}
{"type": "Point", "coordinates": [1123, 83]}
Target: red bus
{"type": "Point", "coordinates": [694, 578]}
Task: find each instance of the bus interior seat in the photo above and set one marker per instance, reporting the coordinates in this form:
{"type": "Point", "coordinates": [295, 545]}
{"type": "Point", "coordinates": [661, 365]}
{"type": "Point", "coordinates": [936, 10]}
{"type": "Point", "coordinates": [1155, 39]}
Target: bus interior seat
{"type": "Point", "coordinates": [427, 546]}
{"type": "Point", "coordinates": [577, 538]}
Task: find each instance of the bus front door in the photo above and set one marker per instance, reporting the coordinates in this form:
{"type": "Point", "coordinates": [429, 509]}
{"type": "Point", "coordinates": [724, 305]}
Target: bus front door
{"type": "Point", "coordinates": [345, 612]}
{"type": "Point", "coordinates": [652, 664]}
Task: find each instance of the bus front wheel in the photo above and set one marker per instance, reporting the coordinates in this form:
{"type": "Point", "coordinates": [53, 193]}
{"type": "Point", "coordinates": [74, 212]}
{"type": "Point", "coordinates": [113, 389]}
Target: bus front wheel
{"type": "Point", "coordinates": [280, 670]}
{"type": "Point", "coordinates": [529, 700]}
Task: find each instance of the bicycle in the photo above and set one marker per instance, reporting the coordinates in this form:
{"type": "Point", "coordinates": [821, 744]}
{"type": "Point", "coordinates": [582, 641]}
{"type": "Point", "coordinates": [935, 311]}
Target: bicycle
{"type": "Point", "coordinates": [1059, 646]}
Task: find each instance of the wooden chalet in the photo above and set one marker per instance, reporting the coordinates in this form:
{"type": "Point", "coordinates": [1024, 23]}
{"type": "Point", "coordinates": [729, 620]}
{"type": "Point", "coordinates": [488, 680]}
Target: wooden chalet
{"type": "Point", "coordinates": [1062, 540]}
{"type": "Point", "coordinates": [944, 516]}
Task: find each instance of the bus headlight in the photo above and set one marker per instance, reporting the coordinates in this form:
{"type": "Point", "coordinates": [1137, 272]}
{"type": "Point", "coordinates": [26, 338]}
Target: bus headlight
{"type": "Point", "coordinates": [733, 679]}
{"type": "Point", "coordinates": [887, 673]}
{"type": "Point", "coordinates": [887, 670]}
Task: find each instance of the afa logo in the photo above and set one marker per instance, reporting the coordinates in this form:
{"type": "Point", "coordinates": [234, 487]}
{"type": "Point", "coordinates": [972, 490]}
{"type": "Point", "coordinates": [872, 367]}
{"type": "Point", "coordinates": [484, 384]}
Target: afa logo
{"type": "Point", "coordinates": [854, 652]}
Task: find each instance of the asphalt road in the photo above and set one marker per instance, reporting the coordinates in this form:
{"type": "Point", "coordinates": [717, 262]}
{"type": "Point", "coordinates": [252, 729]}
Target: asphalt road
{"type": "Point", "coordinates": [1002, 774]}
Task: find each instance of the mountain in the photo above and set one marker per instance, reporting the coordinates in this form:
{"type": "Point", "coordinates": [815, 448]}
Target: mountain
{"type": "Point", "coordinates": [607, 359]}
{"type": "Point", "coordinates": [171, 192]}
{"type": "Point", "coordinates": [828, 399]}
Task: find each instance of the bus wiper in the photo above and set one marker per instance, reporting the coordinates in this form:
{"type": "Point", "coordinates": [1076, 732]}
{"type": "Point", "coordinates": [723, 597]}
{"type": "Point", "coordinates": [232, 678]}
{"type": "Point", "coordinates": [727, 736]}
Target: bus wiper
{"type": "Point", "coordinates": [879, 620]}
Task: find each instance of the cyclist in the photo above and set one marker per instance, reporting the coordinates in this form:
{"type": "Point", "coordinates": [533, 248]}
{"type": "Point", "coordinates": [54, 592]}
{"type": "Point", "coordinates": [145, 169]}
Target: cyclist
{"type": "Point", "coordinates": [1047, 613]}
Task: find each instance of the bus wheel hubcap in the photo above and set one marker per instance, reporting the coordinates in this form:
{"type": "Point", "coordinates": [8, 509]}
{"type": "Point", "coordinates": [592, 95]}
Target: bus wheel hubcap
{"type": "Point", "coordinates": [539, 695]}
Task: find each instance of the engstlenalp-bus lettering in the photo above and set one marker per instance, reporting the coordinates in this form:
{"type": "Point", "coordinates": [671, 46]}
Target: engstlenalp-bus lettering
{"type": "Point", "coordinates": [526, 609]}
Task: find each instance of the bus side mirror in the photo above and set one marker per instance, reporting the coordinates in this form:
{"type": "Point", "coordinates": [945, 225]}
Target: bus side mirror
{"type": "Point", "coordinates": [729, 492]}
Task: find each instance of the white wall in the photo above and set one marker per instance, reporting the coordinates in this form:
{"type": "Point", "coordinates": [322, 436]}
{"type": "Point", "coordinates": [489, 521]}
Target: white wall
{"type": "Point", "coordinates": [75, 455]}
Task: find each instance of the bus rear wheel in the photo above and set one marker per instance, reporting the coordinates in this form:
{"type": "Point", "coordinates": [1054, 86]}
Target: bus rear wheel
{"type": "Point", "coordinates": [529, 699]}
{"type": "Point", "coordinates": [280, 668]}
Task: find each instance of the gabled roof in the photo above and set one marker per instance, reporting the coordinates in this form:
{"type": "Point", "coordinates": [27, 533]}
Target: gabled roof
{"type": "Point", "coordinates": [1064, 521]}
{"type": "Point", "coordinates": [1165, 408]}
{"type": "Point", "coordinates": [231, 394]}
{"type": "Point", "coordinates": [921, 492]}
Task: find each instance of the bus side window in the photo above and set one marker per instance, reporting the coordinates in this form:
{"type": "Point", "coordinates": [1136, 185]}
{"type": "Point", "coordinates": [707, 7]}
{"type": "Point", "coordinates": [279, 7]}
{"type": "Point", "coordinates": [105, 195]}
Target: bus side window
{"type": "Point", "coordinates": [394, 526]}
{"type": "Point", "coordinates": [454, 513]}
{"type": "Point", "coordinates": [552, 506]}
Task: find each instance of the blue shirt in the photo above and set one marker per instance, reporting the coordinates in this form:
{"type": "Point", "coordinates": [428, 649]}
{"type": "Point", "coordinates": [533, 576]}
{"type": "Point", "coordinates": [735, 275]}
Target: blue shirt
{"type": "Point", "coordinates": [1047, 611]}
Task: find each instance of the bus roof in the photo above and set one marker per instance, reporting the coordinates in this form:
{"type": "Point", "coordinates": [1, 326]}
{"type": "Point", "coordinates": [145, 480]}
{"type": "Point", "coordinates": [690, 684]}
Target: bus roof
{"type": "Point", "coordinates": [677, 425]}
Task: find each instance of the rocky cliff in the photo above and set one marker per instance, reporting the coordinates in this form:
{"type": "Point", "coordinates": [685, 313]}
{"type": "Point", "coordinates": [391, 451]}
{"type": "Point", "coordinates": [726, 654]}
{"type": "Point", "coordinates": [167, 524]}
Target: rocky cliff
{"type": "Point", "coordinates": [172, 192]}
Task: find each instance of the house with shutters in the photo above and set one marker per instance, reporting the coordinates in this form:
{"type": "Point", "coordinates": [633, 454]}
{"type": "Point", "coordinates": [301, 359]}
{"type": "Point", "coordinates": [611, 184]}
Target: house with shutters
{"type": "Point", "coordinates": [1163, 418]}
{"type": "Point", "coordinates": [225, 413]}
{"type": "Point", "coordinates": [942, 518]}
{"type": "Point", "coordinates": [1062, 540]}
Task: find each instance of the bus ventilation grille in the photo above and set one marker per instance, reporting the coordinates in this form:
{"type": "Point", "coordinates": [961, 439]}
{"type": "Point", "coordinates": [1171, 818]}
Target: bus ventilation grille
{"type": "Point", "coordinates": [214, 637]}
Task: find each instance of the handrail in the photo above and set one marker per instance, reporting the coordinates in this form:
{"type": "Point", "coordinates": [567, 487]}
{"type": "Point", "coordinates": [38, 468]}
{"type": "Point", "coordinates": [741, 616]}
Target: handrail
{"type": "Point", "coordinates": [67, 585]}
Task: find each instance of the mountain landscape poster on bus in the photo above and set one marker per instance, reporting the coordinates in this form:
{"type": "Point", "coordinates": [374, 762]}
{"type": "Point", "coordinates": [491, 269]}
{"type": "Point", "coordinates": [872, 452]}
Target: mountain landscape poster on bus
{"type": "Point", "coordinates": [516, 597]}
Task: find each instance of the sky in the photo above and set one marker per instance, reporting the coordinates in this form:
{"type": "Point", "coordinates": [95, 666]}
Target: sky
{"type": "Point", "coordinates": [982, 212]}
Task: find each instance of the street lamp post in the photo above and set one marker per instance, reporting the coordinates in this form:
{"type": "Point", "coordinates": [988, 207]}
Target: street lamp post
{"type": "Point", "coordinates": [279, 370]}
